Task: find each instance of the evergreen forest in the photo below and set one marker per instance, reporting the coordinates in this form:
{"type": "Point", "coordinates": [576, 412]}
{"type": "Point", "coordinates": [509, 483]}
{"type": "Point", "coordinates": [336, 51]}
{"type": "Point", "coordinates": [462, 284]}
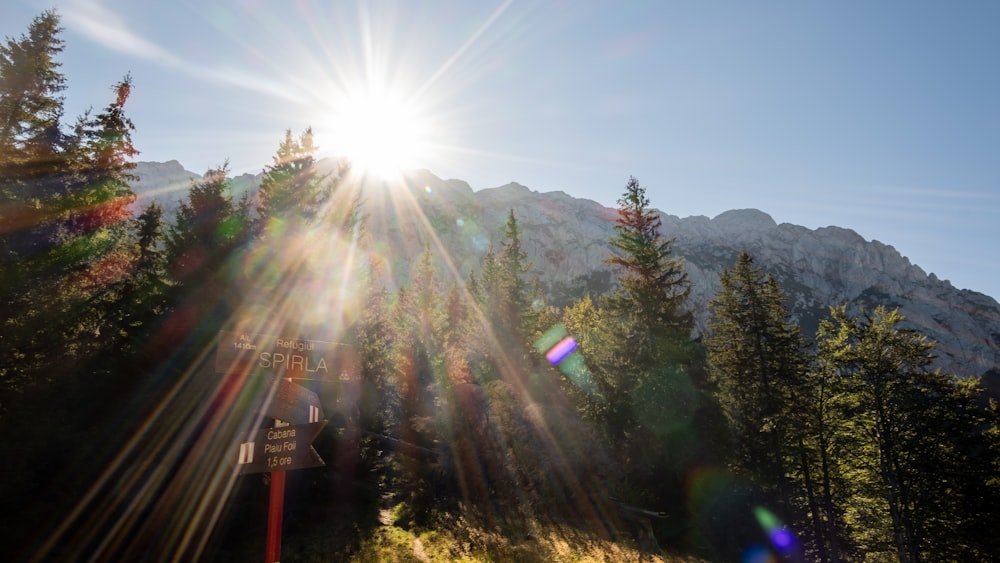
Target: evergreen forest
{"type": "Point", "coordinates": [470, 419]}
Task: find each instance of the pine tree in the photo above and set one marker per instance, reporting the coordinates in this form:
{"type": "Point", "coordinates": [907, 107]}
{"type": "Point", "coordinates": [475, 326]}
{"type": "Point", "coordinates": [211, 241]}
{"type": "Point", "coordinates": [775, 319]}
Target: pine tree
{"type": "Point", "coordinates": [503, 291]}
{"type": "Point", "coordinates": [144, 293]}
{"type": "Point", "coordinates": [204, 227]}
{"type": "Point", "coordinates": [821, 430]}
{"type": "Point", "coordinates": [757, 360]}
{"type": "Point", "coordinates": [419, 359]}
{"type": "Point", "coordinates": [910, 435]}
{"type": "Point", "coordinates": [756, 357]}
{"type": "Point", "coordinates": [208, 231]}
{"type": "Point", "coordinates": [295, 193]}
{"type": "Point", "coordinates": [652, 283]}
{"type": "Point", "coordinates": [31, 106]}
{"type": "Point", "coordinates": [32, 168]}
{"type": "Point", "coordinates": [67, 284]}
{"type": "Point", "coordinates": [646, 315]}
{"type": "Point", "coordinates": [514, 265]}
{"type": "Point", "coordinates": [646, 369]}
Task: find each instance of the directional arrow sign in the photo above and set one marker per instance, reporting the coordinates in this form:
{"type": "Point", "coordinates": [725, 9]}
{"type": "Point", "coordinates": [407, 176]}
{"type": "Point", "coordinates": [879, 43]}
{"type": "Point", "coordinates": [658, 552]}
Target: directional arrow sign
{"type": "Point", "coordinates": [280, 449]}
{"type": "Point", "coordinates": [291, 402]}
{"type": "Point", "coordinates": [286, 357]}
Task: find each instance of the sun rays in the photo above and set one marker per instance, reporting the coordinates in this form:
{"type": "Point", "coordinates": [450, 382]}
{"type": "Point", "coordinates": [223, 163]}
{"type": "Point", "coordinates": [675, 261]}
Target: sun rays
{"type": "Point", "coordinates": [173, 479]}
{"type": "Point", "coordinates": [381, 135]}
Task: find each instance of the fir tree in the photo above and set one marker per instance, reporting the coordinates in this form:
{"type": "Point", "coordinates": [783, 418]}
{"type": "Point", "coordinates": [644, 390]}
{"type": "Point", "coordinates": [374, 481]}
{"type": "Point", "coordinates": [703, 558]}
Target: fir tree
{"type": "Point", "coordinates": [208, 231]}
{"type": "Point", "coordinates": [67, 285]}
{"type": "Point", "coordinates": [757, 360]}
{"type": "Point", "coordinates": [514, 265]}
{"type": "Point", "coordinates": [143, 296]}
{"type": "Point", "coordinates": [294, 192]}
{"type": "Point", "coordinates": [647, 320]}
{"type": "Point", "coordinates": [32, 169]}
{"type": "Point", "coordinates": [910, 436]}
{"type": "Point", "coordinates": [206, 227]}
{"type": "Point", "coordinates": [755, 355]}
{"type": "Point", "coordinates": [652, 283]}
{"type": "Point", "coordinates": [31, 106]}
{"type": "Point", "coordinates": [645, 365]}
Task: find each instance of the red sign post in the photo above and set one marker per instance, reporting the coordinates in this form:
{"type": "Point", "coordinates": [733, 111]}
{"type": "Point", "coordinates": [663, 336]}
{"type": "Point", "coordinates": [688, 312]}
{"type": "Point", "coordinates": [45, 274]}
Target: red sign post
{"type": "Point", "coordinates": [275, 512]}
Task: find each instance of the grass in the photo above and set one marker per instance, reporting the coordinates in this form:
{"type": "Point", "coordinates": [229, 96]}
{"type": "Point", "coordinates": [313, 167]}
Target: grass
{"type": "Point", "coordinates": [456, 539]}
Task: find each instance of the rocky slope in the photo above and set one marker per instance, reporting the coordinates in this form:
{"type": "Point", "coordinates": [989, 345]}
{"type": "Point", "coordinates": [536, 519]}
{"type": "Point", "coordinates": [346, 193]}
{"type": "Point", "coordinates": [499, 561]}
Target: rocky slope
{"type": "Point", "coordinates": [567, 239]}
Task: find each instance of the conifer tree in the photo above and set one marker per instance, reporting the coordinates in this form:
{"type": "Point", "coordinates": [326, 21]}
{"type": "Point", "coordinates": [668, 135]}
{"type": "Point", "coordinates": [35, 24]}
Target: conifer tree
{"type": "Point", "coordinates": [647, 320]}
{"type": "Point", "coordinates": [910, 435]}
{"type": "Point", "coordinates": [208, 230]}
{"type": "Point", "coordinates": [100, 194]}
{"type": "Point", "coordinates": [820, 429]}
{"type": "Point", "coordinates": [204, 225]}
{"type": "Point", "coordinates": [375, 345]}
{"type": "Point", "coordinates": [755, 355]}
{"type": "Point", "coordinates": [757, 361]}
{"type": "Point", "coordinates": [418, 362]}
{"type": "Point", "coordinates": [503, 291]}
{"type": "Point", "coordinates": [295, 192]}
{"type": "Point", "coordinates": [31, 106]}
{"type": "Point", "coordinates": [652, 283]}
{"type": "Point", "coordinates": [32, 168]}
{"type": "Point", "coordinates": [646, 373]}
{"type": "Point", "coordinates": [66, 284]}
{"type": "Point", "coordinates": [514, 266]}
{"type": "Point", "coordinates": [144, 292]}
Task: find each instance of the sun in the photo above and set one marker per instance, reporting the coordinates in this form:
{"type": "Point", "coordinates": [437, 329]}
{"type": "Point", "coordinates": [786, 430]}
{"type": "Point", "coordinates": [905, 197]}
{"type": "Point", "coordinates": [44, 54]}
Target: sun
{"type": "Point", "coordinates": [380, 134]}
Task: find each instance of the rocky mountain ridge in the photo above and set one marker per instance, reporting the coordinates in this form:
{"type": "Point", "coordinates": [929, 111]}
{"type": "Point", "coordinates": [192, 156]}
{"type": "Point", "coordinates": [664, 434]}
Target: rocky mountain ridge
{"type": "Point", "coordinates": [567, 240]}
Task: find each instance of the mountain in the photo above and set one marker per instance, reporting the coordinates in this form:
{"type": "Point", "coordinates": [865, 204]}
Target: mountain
{"type": "Point", "coordinates": [167, 183]}
{"type": "Point", "coordinates": [567, 240]}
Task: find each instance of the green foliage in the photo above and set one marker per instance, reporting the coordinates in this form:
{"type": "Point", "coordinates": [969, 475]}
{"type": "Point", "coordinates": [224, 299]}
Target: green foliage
{"type": "Point", "coordinates": [65, 248]}
{"type": "Point", "coordinates": [911, 440]}
{"type": "Point", "coordinates": [646, 329]}
{"type": "Point", "coordinates": [756, 358]}
{"type": "Point", "coordinates": [207, 228]}
{"type": "Point", "coordinates": [31, 106]}
{"type": "Point", "coordinates": [502, 289]}
{"type": "Point", "coordinates": [652, 283]}
{"type": "Point", "coordinates": [294, 193]}
{"type": "Point", "coordinates": [290, 183]}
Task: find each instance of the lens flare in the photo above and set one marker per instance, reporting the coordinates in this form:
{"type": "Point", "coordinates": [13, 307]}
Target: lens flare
{"type": "Point", "coordinates": [781, 537]}
{"type": "Point", "coordinates": [560, 349]}
{"type": "Point", "coordinates": [558, 353]}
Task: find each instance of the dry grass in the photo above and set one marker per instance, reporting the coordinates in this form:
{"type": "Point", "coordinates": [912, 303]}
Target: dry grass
{"type": "Point", "coordinates": [458, 540]}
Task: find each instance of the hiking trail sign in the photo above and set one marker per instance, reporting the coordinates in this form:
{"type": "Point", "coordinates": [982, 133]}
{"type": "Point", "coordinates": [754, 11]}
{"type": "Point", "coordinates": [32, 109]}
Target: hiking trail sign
{"type": "Point", "coordinates": [280, 449]}
{"type": "Point", "coordinates": [285, 446]}
{"type": "Point", "coordinates": [293, 358]}
{"type": "Point", "coordinates": [290, 402]}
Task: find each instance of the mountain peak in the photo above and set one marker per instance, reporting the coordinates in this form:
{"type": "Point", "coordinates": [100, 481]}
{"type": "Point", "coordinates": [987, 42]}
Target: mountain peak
{"type": "Point", "coordinates": [744, 219]}
{"type": "Point", "coordinates": [514, 187]}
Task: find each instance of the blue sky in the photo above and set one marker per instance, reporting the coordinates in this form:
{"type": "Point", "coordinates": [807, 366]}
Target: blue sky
{"type": "Point", "coordinates": [882, 117]}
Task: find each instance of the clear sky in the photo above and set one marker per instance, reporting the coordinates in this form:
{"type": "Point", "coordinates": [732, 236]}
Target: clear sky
{"type": "Point", "coordinates": [882, 117]}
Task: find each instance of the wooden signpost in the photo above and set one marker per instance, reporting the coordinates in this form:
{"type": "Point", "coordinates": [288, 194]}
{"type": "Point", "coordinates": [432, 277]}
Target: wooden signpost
{"type": "Point", "coordinates": [280, 449]}
{"type": "Point", "coordinates": [290, 402]}
{"type": "Point", "coordinates": [297, 413]}
{"type": "Point", "coordinates": [291, 358]}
